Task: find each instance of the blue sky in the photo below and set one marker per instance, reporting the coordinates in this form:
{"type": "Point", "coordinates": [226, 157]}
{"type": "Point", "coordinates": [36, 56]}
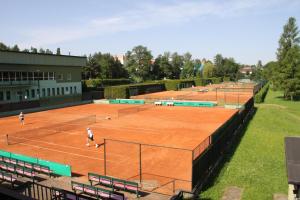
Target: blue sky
{"type": "Point", "coordinates": [247, 30]}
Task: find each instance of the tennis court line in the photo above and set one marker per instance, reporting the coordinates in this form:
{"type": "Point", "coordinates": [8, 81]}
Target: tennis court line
{"type": "Point", "coordinates": [74, 154]}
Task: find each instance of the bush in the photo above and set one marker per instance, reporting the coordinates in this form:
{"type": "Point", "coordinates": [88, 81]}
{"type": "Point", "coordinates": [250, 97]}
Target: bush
{"type": "Point", "coordinates": [178, 84]}
{"type": "Point", "coordinates": [260, 96]}
{"type": "Point", "coordinates": [114, 92]}
{"type": "Point", "coordinates": [94, 83]}
{"type": "Point", "coordinates": [226, 79]}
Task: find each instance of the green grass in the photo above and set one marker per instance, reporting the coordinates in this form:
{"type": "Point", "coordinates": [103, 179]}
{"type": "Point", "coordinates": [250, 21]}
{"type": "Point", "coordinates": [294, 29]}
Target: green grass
{"type": "Point", "coordinates": [258, 164]}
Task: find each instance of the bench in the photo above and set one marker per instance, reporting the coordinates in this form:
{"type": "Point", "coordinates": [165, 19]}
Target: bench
{"type": "Point", "coordinates": [37, 167]}
{"type": "Point", "coordinates": [114, 183]}
{"type": "Point", "coordinates": [170, 103]}
{"type": "Point", "coordinates": [58, 193]}
{"type": "Point", "coordinates": [19, 170]}
{"type": "Point", "coordinates": [158, 103]}
{"type": "Point", "coordinates": [95, 191]}
{"type": "Point", "coordinates": [8, 178]}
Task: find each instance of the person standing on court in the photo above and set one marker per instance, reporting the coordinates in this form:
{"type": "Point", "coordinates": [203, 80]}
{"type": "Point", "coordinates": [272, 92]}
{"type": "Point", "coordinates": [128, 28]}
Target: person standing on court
{"type": "Point", "coordinates": [90, 137]}
{"type": "Point", "coordinates": [21, 118]}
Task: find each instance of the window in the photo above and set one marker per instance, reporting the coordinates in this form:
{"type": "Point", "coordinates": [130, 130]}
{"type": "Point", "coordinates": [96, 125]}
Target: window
{"type": "Point", "coordinates": [27, 94]}
{"type": "Point", "coordinates": [24, 76]}
{"type": "Point", "coordinates": [57, 91]}
{"type": "Point", "coordinates": [69, 76]}
{"type": "Point", "coordinates": [53, 91]}
{"type": "Point", "coordinates": [1, 76]}
{"type": "Point", "coordinates": [30, 76]}
{"type": "Point", "coordinates": [48, 92]}
{"type": "Point", "coordinates": [12, 76]}
{"type": "Point", "coordinates": [63, 91]}
{"type": "Point", "coordinates": [7, 95]}
{"type": "Point", "coordinates": [75, 89]}
{"type": "Point", "coordinates": [35, 75]}
{"type": "Point", "coordinates": [67, 89]}
{"type": "Point", "coordinates": [18, 76]}
{"type": "Point", "coordinates": [60, 77]}
{"type": "Point", "coordinates": [5, 76]}
{"type": "Point", "coordinates": [51, 76]}
{"type": "Point", "coordinates": [43, 92]}
{"type": "Point", "coordinates": [71, 90]}
{"type": "Point", "coordinates": [40, 75]}
{"type": "Point", "coordinates": [46, 76]}
{"type": "Point", "coordinates": [1, 96]}
{"type": "Point", "coordinates": [32, 93]}
{"type": "Point", "coordinates": [38, 92]}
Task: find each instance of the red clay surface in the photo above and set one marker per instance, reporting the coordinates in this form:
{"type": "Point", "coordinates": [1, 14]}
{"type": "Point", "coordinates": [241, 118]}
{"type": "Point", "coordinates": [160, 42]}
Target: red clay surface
{"type": "Point", "coordinates": [176, 127]}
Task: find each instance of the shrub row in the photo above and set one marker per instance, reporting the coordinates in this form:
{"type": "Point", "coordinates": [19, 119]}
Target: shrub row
{"type": "Point", "coordinates": [94, 83]}
{"type": "Point", "coordinates": [260, 96]}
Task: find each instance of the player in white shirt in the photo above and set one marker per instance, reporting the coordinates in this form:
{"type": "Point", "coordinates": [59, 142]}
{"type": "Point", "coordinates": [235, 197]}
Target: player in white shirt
{"type": "Point", "coordinates": [90, 137]}
{"type": "Point", "coordinates": [21, 118]}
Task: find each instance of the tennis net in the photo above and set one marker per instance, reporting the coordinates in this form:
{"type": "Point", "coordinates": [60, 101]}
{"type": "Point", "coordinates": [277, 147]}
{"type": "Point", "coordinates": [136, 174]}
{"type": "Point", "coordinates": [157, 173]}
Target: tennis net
{"type": "Point", "coordinates": [51, 129]}
{"type": "Point", "coordinates": [132, 110]}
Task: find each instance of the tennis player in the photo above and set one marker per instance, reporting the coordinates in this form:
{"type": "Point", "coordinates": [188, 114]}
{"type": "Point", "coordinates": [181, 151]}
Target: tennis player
{"type": "Point", "coordinates": [21, 118]}
{"type": "Point", "coordinates": [90, 137]}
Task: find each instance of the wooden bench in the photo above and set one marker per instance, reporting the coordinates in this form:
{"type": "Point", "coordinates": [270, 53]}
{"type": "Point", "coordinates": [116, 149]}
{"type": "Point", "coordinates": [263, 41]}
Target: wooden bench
{"type": "Point", "coordinates": [18, 170]}
{"type": "Point", "coordinates": [114, 183]}
{"type": "Point", "coordinates": [8, 178]}
{"type": "Point", "coordinates": [95, 191]}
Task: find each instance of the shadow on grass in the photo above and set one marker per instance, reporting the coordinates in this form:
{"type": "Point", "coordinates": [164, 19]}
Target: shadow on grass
{"type": "Point", "coordinates": [227, 156]}
{"type": "Point", "coordinates": [296, 98]}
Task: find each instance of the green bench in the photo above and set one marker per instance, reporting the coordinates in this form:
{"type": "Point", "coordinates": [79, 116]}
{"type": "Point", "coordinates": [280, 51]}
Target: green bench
{"type": "Point", "coordinates": [95, 191]}
{"type": "Point", "coordinates": [114, 183]}
{"type": "Point", "coordinates": [4, 176]}
{"type": "Point", "coordinates": [36, 167]}
{"type": "Point", "coordinates": [18, 170]}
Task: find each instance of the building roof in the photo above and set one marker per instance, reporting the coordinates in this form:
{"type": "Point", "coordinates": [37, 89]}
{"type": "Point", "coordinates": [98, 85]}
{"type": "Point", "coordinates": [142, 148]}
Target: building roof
{"type": "Point", "coordinates": [26, 58]}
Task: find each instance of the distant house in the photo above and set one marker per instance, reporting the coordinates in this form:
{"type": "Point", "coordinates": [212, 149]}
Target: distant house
{"type": "Point", "coordinates": [120, 58]}
{"type": "Point", "coordinates": [246, 70]}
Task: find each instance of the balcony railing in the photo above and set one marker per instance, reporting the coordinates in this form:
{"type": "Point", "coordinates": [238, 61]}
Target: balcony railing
{"type": "Point", "coordinates": [18, 83]}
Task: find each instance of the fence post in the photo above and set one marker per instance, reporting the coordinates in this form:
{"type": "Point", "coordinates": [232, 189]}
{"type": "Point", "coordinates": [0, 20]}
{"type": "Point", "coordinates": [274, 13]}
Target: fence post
{"type": "Point", "coordinates": [7, 139]}
{"type": "Point", "coordinates": [140, 151]}
{"type": "Point", "coordinates": [216, 94]}
{"type": "Point", "coordinates": [104, 157]}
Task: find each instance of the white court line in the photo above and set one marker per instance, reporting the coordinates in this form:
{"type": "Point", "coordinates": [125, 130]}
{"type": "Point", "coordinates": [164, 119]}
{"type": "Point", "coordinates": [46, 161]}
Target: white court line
{"type": "Point", "coordinates": [54, 144]}
{"type": "Point", "coordinates": [74, 154]}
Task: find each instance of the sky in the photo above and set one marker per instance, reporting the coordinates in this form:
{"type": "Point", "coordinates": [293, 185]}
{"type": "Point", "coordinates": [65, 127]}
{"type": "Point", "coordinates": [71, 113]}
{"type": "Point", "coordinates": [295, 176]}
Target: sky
{"type": "Point", "coordinates": [247, 30]}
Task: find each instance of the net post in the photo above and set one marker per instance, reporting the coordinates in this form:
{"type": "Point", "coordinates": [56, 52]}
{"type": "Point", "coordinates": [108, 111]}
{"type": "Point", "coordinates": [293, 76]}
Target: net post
{"type": "Point", "coordinates": [140, 155]}
{"type": "Point", "coordinates": [7, 139]}
{"type": "Point", "coordinates": [104, 156]}
{"type": "Point", "coordinates": [174, 186]}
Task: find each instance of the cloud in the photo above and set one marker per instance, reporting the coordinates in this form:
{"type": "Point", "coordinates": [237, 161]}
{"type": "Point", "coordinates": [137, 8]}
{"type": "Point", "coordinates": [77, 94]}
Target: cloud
{"type": "Point", "coordinates": [145, 16]}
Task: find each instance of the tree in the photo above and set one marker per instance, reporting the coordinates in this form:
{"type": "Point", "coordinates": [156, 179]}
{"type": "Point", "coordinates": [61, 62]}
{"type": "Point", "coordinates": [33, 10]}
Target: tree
{"type": "Point", "coordinates": [138, 63]}
{"type": "Point", "coordinates": [3, 46]}
{"type": "Point", "coordinates": [188, 66]}
{"type": "Point", "coordinates": [165, 65]}
{"type": "Point", "coordinates": [15, 48]}
{"type": "Point", "coordinates": [177, 64]}
{"type": "Point", "coordinates": [218, 63]}
{"type": "Point", "coordinates": [41, 50]}
{"type": "Point", "coordinates": [58, 51]}
{"type": "Point", "coordinates": [33, 50]}
{"type": "Point", "coordinates": [26, 50]}
{"type": "Point", "coordinates": [48, 51]}
{"type": "Point", "coordinates": [288, 55]}
{"type": "Point", "coordinates": [208, 70]}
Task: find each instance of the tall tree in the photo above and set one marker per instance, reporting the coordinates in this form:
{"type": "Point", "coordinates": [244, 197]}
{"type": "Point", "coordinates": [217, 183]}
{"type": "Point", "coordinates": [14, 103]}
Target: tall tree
{"type": "Point", "coordinates": [138, 63]}
{"type": "Point", "coordinates": [208, 70]}
{"type": "Point", "coordinates": [15, 48]}
{"type": "Point", "coordinates": [166, 66]}
{"type": "Point", "coordinates": [218, 63]}
{"type": "Point", "coordinates": [3, 46]}
{"type": "Point", "coordinates": [33, 50]}
{"type": "Point", "coordinates": [287, 78]}
{"type": "Point", "coordinates": [177, 64]}
{"type": "Point", "coordinates": [58, 51]}
{"type": "Point", "coordinates": [188, 70]}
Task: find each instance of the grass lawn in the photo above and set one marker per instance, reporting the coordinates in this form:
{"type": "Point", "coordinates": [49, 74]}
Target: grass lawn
{"type": "Point", "coordinates": [258, 164]}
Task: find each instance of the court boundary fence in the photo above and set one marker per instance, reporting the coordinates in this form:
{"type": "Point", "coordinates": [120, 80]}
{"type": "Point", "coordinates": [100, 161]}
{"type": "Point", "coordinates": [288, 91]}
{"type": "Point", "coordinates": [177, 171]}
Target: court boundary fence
{"type": "Point", "coordinates": [141, 172]}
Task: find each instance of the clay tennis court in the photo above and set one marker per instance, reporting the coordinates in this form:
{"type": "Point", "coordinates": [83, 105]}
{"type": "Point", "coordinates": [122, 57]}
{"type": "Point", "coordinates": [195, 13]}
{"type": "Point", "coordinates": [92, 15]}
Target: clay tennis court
{"type": "Point", "coordinates": [154, 145]}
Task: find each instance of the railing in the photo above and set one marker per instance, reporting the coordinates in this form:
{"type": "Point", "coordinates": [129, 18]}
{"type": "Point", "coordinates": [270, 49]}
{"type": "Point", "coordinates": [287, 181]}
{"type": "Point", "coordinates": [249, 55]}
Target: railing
{"type": "Point", "coordinates": [20, 82]}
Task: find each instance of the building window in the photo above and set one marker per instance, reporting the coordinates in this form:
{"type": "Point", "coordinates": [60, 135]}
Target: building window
{"type": "Point", "coordinates": [57, 91]}
{"type": "Point", "coordinates": [71, 90]}
{"type": "Point", "coordinates": [30, 76]}
{"type": "Point", "coordinates": [40, 76]}
{"type": "Point", "coordinates": [48, 92]}
{"type": "Point", "coordinates": [5, 76]}
{"type": "Point", "coordinates": [7, 95]}
{"type": "Point", "coordinates": [53, 91]}
{"type": "Point", "coordinates": [67, 89]}
{"type": "Point", "coordinates": [60, 77]}
{"type": "Point", "coordinates": [18, 76]}
{"type": "Point", "coordinates": [24, 76]}
{"type": "Point", "coordinates": [38, 92]}
{"type": "Point", "coordinates": [51, 76]}
{"type": "Point", "coordinates": [1, 76]}
{"type": "Point", "coordinates": [27, 94]}
{"type": "Point", "coordinates": [43, 92]}
{"type": "Point", "coordinates": [69, 77]}
{"type": "Point", "coordinates": [63, 91]}
{"type": "Point", "coordinates": [32, 93]}
{"type": "Point", "coordinates": [1, 96]}
{"type": "Point", "coordinates": [12, 76]}
{"type": "Point", "coordinates": [75, 89]}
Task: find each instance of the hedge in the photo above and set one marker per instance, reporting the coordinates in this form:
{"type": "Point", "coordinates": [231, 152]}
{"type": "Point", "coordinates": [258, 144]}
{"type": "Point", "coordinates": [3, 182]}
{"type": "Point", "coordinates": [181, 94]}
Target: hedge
{"type": "Point", "coordinates": [94, 83]}
{"type": "Point", "coordinates": [116, 92]}
{"type": "Point", "coordinates": [260, 96]}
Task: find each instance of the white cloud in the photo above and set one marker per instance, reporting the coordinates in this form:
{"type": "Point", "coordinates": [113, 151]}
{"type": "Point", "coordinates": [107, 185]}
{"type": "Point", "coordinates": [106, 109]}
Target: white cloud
{"type": "Point", "coordinates": [147, 16]}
